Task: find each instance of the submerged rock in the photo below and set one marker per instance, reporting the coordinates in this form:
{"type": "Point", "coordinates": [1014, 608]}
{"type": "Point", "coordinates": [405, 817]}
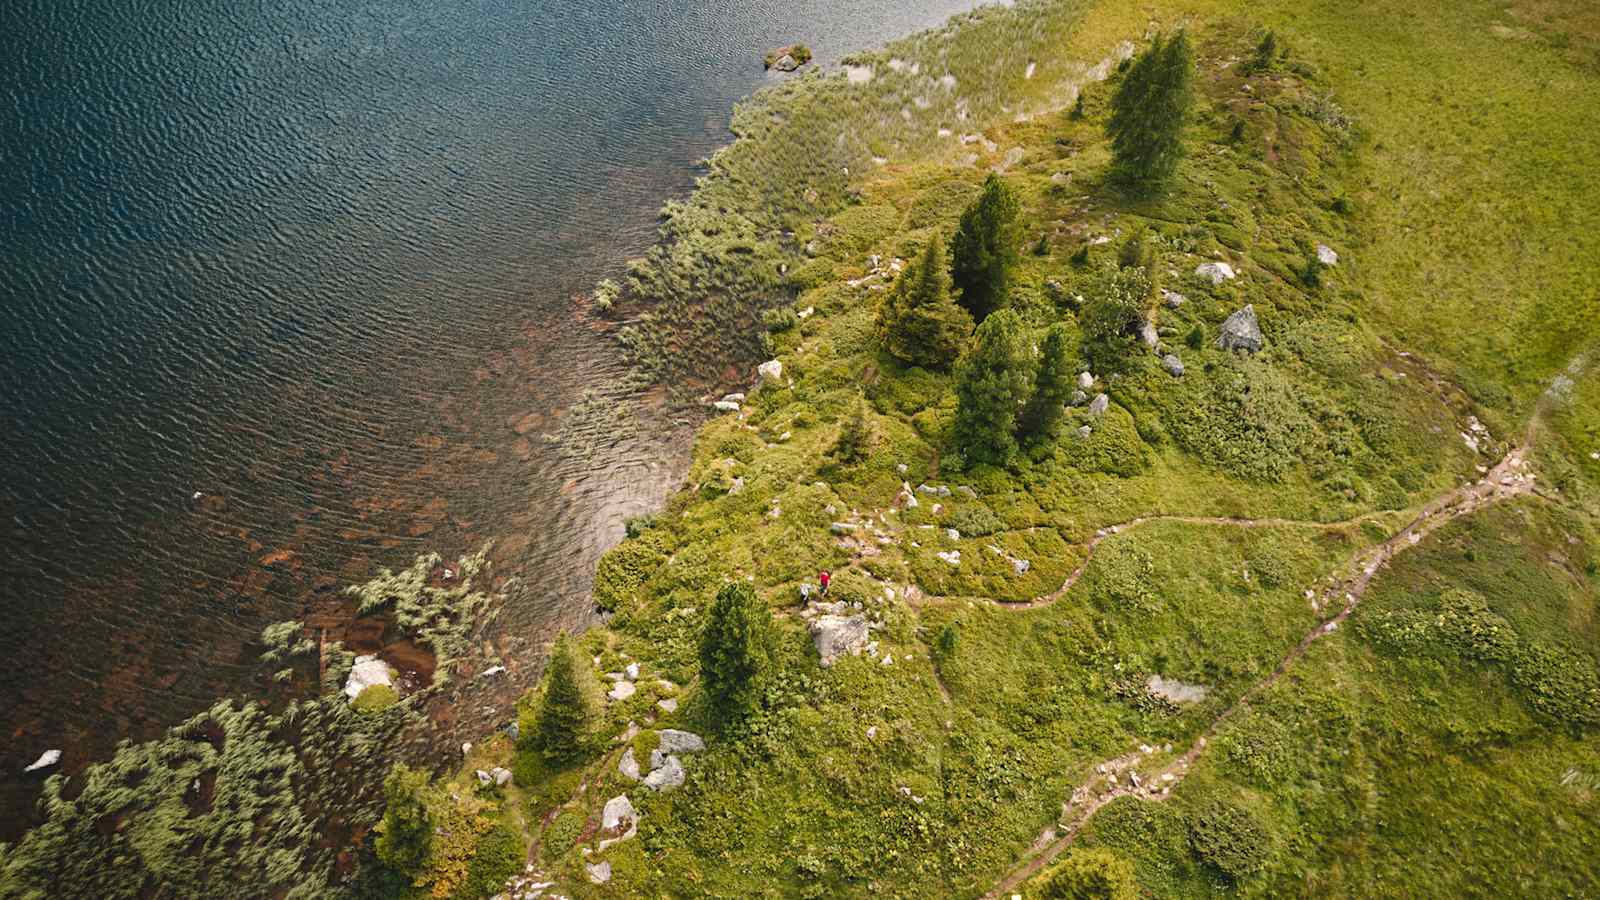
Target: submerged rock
{"type": "Point", "coordinates": [45, 760]}
{"type": "Point", "coordinates": [837, 635]}
{"type": "Point", "coordinates": [1241, 331]}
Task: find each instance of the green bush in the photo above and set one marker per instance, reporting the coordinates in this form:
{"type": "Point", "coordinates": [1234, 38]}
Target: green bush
{"type": "Point", "coordinates": [780, 320]}
{"type": "Point", "coordinates": [562, 835]}
{"type": "Point", "coordinates": [1087, 874]}
{"type": "Point", "coordinates": [974, 520]}
{"type": "Point", "coordinates": [375, 698]}
{"type": "Point", "coordinates": [1229, 839]}
{"type": "Point", "coordinates": [498, 856]}
{"type": "Point", "coordinates": [405, 832]}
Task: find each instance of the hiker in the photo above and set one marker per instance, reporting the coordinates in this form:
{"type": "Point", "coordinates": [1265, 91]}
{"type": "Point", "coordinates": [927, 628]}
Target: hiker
{"type": "Point", "coordinates": [824, 578]}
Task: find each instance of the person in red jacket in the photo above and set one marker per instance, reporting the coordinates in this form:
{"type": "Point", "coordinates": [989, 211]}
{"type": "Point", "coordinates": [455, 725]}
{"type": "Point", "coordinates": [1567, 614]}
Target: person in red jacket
{"type": "Point", "coordinates": [824, 578]}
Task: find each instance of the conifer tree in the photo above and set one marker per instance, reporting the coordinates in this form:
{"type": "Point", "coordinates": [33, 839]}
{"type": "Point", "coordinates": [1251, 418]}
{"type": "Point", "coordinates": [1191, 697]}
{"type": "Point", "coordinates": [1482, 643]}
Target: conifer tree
{"type": "Point", "coordinates": [855, 439]}
{"type": "Point", "coordinates": [1148, 114]}
{"type": "Point", "coordinates": [1040, 420]}
{"type": "Point", "coordinates": [735, 652]}
{"type": "Point", "coordinates": [563, 715]}
{"type": "Point", "coordinates": [919, 322]}
{"type": "Point", "coordinates": [406, 832]}
{"type": "Point", "coordinates": [983, 251]}
{"type": "Point", "coordinates": [995, 379]}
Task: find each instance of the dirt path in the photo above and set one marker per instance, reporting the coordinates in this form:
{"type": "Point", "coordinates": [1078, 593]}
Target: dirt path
{"type": "Point", "coordinates": [1510, 478]}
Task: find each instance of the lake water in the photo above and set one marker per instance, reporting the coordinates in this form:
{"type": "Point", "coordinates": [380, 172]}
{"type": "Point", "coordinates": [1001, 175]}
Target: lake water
{"type": "Point", "coordinates": [315, 261]}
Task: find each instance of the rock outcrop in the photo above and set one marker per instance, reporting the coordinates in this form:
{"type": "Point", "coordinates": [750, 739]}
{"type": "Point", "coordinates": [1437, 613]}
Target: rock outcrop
{"type": "Point", "coordinates": [368, 671]}
{"type": "Point", "coordinates": [1241, 331]}
{"type": "Point", "coordinates": [836, 636]}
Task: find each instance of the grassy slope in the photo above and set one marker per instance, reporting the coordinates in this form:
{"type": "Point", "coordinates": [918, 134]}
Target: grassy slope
{"type": "Point", "coordinates": [1369, 772]}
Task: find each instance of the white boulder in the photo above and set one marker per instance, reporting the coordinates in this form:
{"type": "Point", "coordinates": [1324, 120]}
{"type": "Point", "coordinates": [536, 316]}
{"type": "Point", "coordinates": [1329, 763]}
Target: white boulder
{"type": "Point", "coordinates": [368, 671]}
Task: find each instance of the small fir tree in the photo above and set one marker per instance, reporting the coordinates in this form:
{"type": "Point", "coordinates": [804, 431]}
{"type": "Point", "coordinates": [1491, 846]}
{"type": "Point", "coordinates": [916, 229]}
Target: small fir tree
{"type": "Point", "coordinates": [983, 251]}
{"type": "Point", "coordinates": [735, 653]}
{"type": "Point", "coordinates": [919, 322]}
{"type": "Point", "coordinates": [856, 438]}
{"type": "Point", "coordinates": [1148, 114]}
{"type": "Point", "coordinates": [1040, 420]}
{"type": "Point", "coordinates": [563, 715]}
{"type": "Point", "coordinates": [994, 381]}
{"type": "Point", "coordinates": [406, 832]}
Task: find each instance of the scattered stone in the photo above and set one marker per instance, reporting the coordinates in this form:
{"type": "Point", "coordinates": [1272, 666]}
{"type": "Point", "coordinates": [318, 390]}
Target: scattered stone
{"type": "Point", "coordinates": [902, 468]}
{"type": "Point", "coordinates": [675, 741]}
{"type": "Point", "coordinates": [967, 492]}
{"type": "Point", "coordinates": [1021, 565]}
{"type": "Point", "coordinates": [1172, 299]}
{"type": "Point", "coordinates": [771, 370]}
{"type": "Point", "coordinates": [668, 705]}
{"type": "Point", "coordinates": [368, 671]}
{"type": "Point", "coordinates": [622, 690]}
{"type": "Point", "coordinates": [785, 63]}
{"type": "Point", "coordinates": [952, 557]}
{"type": "Point", "coordinates": [1079, 398]}
{"type": "Point", "coordinates": [1326, 256]}
{"type": "Point", "coordinates": [667, 776]}
{"type": "Point", "coordinates": [1241, 331]}
{"type": "Point", "coordinates": [466, 748]}
{"type": "Point", "coordinates": [484, 778]}
{"type": "Point", "coordinates": [872, 732]}
{"type": "Point", "coordinates": [726, 406]}
{"type": "Point", "coordinates": [1148, 336]}
{"type": "Point", "coordinates": [599, 873]}
{"type": "Point", "coordinates": [492, 670]}
{"type": "Point", "coordinates": [45, 760]}
{"type": "Point", "coordinates": [733, 398]}
{"type": "Point", "coordinates": [502, 776]}
{"type": "Point", "coordinates": [1084, 431]}
{"type": "Point", "coordinates": [619, 814]}
{"type": "Point", "coordinates": [836, 635]}
{"type": "Point", "coordinates": [1215, 272]}
{"type": "Point", "coordinates": [1176, 691]}
{"type": "Point", "coordinates": [632, 671]}
{"type": "Point", "coordinates": [1085, 381]}
{"type": "Point", "coordinates": [952, 534]}
{"type": "Point", "coordinates": [1173, 365]}
{"type": "Point", "coordinates": [842, 528]}
{"type": "Point", "coordinates": [629, 765]}
{"type": "Point", "coordinates": [1099, 405]}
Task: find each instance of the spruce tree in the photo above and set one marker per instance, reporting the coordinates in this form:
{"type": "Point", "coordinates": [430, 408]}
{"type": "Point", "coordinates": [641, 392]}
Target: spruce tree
{"type": "Point", "coordinates": [983, 251]}
{"type": "Point", "coordinates": [1041, 418]}
{"type": "Point", "coordinates": [563, 716]}
{"type": "Point", "coordinates": [855, 439]}
{"type": "Point", "coordinates": [405, 834]}
{"type": "Point", "coordinates": [995, 379]}
{"type": "Point", "coordinates": [1148, 114]}
{"type": "Point", "coordinates": [919, 322]}
{"type": "Point", "coordinates": [735, 653]}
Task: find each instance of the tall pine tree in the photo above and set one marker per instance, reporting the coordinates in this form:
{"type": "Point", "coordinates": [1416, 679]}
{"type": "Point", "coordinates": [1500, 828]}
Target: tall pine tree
{"type": "Point", "coordinates": [1148, 114]}
{"type": "Point", "coordinates": [1040, 420]}
{"type": "Point", "coordinates": [919, 323]}
{"type": "Point", "coordinates": [563, 716]}
{"type": "Point", "coordinates": [995, 379]}
{"type": "Point", "coordinates": [983, 251]}
{"type": "Point", "coordinates": [735, 653]}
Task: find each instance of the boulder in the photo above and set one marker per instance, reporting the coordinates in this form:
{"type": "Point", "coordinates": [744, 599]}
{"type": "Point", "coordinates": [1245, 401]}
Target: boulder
{"type": "Point", "coordinates": [1085, 381]}
{"type": "Point", "coordinates": [1326, 256]}
{"type": "Point", "coordinates": [668, 705]}
{"type": "Point", "coordinates": [726, 406]}
{"type": "Point", "coordinates": [1079, 398]}
{"type": "Point", "coordinates": [1214, 272]}
{"type": "Point", "coordinates": [1172, 299]}
{"type": "Point", "coordinates": [785, 63]}
{"type": "Point", "coordinates": [1147, 334]}
{"type": "Point", "coordinates": [952, 557]}
{"type": "Point", "coordinates": [675, 741]}
{"type": "Point", "coordinates": [1241, 331]}
{"type": "Point", "coordinates": [622, 690]}
{"type": "Point", "coordinates": [619, 814]}
{"type": "Point", "coordinates": [667, 776]}
{"type": "Point", "coordinates": [629, 765]}
{"type": "Point", "coordinates": [837, 635]}
{"type": "Point", "coordinates": [1084, 431]}
{"type": "Point", "coordinates": [501, 776]}
{"type": "Point", "coordinates": [368, 671]}
{"type": "Point", "coordinates": [599, 873]}
{"type": "Point", "coordinates": [45, 760]}
{"type": "Point", "coordinates": [771, 370]}
{"type": "Point", "coordinates": [1099, 405]}
{"type": "Point", "coordinates": [484, 778]}
{"type": "Point", "coordinates": [1173, 365]}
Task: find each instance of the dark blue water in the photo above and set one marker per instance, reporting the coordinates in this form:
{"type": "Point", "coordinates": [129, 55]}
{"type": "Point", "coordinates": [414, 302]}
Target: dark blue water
{"type": "Point", "coordinates": [315, 261]}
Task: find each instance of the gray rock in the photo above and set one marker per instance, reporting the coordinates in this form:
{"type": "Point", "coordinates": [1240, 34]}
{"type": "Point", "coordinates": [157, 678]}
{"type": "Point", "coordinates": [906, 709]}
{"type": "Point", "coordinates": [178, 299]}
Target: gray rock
{"type": "Point", "coordinates": [1084, 431]}
{"type": "Point", "coordinates": [1173, 365]}
{"type": "Point", "coordinates": [771, 370]}
{"type": "Point", "coordinates": [629, 765]}
{"type": "Point", "coordinates": [513, 731]}
{"type": "Point", "coordinates": [967, 492]}
{"type": "Point", "coordinates": [1172, 299]}
{"type": "Point", "coordinates": [368, 671]}
{"type": "Point", "coordinates": [1099, 405]}
{"type": "Point", "coordinates": [953, 557]}
{"type": "Point", "coordinates": [1214, 272]}
{"type": "Point", "coordinates": [1176, 691]}
{"type": "Point", "coordinates": [1147, 334]}
{"type": "Point", "coordinates": [1021, 565]}
{"type": "Point", "coordinates": [622, 690]}
{"type": "Point", "coordinates": [785, 63]}
{"type": "Point", "coordinates": [837, 635]}
{"type": "Point", "coordinates": [726, 406]}
{"type": "Point", "coordinates": [1085, 381]}
{"type": "Point", "coordinates": [484, 778]}
{"type": "Point", "coordinates": [1241, 331]}
{"type": "Point", "coordinates": [658, 758]}
{"type": "Point", "coordinates": [1326, 256]}
{"type": "Point", "coordinates": [669, 775]}
{"type": "Point", "coordinates": [599, 873]}
{"type": "Point", "coordinates": [502, 777]}
{"type": "Point", "coordinates": [1079, 398]}
{"type": "Point", "coordinates": [675, 741]}
{"type": "Point", "coordinates": [631, 672]}
{"type": "Point", "coordinates": [619, 814]}
{"type": "Point", "coordinates": [45, 760]}
{"type": "Point", "coordinates": [842, 528]}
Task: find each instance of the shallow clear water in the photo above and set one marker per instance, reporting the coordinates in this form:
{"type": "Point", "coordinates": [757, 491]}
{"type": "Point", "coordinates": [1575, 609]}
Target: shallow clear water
{"type": "Point", "coordinates": [315, 261]}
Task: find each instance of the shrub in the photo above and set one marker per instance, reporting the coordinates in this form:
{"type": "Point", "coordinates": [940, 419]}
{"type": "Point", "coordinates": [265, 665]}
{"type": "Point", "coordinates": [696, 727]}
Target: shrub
{"type": "Point", "coordinates": [1110, 318]}
{"type": "Point", "coordinates": [1196, 338]}
{"type": "Point", "coordinates": [780, 320]}
{"type": "Point", "coordinates": [948, 638]}
{"type": "Point", "coordinates": [983, 251]}
{"type": "Point", "coordinates": [996, 376]}
{"type": "Point", "coordinates": [498, 856]}
{"type": "Point", "coordinates": [1245, 418]}
{"type": "Point", "coordinates": [1077, 107]}
{"type": "Point", "coordinates": [1122, 573]}
{"type": "Point", "coordinates": [1266, 53]}
{"type": "Point", "coordinates": [1148, 114]}
{"type": "Point", "coordinates": [375, 698]}
{"type": "Point", "coordinates": [1088, 874]}
{"type": "Point", "coordinates": [1229, 839]}
{"type": "Point", "coordinates": [975, 519]}
{"type": "Point", "coordinates": [735, 653]}
{"type": "Point", "coordinates": [919, 323]}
